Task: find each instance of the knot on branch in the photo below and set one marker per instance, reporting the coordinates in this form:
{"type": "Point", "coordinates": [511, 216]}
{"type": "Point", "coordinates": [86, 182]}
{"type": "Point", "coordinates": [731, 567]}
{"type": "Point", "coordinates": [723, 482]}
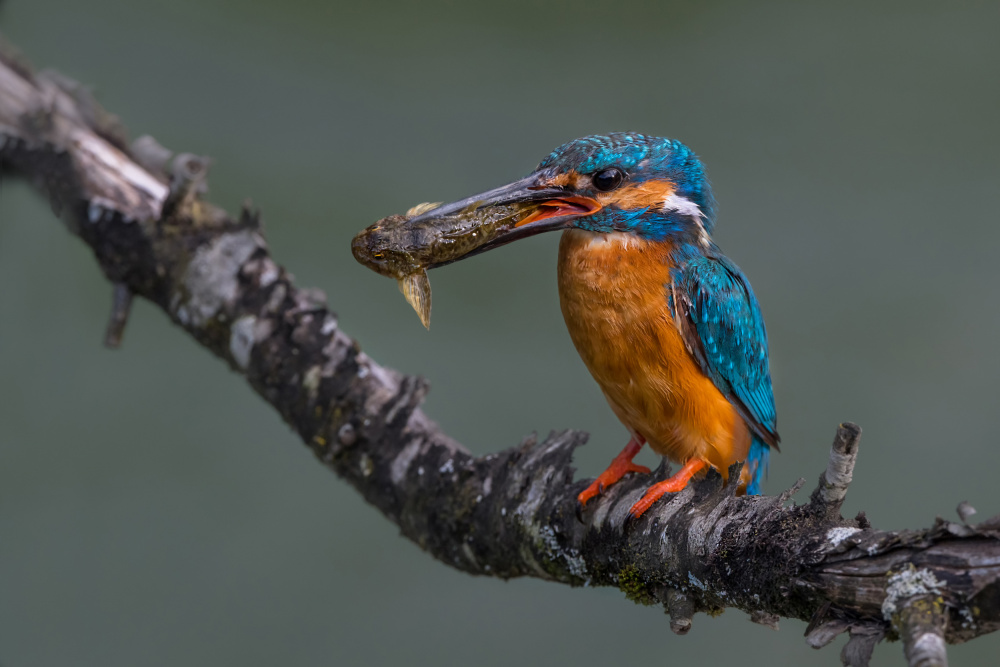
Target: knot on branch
{"type": "Point", "coordinates": [681, 611]}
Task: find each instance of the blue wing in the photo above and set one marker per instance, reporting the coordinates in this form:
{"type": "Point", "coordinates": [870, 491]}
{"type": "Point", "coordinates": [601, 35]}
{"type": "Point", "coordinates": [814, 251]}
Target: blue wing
{"type": "Point", "coordinates": [723, 328]}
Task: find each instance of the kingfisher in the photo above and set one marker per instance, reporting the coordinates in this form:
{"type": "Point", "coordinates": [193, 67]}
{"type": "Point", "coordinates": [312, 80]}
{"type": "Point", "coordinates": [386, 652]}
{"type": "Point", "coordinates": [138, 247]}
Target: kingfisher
{"type": "Point", "coordinates": [666, 324]}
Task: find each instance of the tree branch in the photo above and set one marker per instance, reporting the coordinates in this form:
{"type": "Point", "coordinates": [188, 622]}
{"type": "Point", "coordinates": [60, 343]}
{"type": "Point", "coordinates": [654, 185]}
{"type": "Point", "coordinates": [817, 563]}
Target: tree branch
{"type": "Point", "coordinates": [509, 514]}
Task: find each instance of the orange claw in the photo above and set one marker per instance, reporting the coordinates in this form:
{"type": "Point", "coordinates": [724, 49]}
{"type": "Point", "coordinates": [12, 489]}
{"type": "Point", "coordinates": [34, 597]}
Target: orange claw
{"type": "Point", "coordinates": [672, 485]}
{"type": "Point", "coordinates": [621, 465]}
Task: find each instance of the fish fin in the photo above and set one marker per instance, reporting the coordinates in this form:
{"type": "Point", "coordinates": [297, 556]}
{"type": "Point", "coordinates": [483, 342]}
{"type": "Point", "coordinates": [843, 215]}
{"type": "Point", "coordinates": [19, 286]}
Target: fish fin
{"type": "Point", "coordinates": [416, 288]}
{"type": "Point", "coordinates": [422, 208]}
{"type": "Point", "coordinates": [471, 208]}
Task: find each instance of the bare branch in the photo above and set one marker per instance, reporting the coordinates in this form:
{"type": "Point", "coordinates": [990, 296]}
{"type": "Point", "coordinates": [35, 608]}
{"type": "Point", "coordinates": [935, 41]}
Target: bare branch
{"type": "Point", "coordinates": [121, 305]}
{"type": "Point", "coordinates": [922, 628]}
{"type": "Point", "coordinates": [829, 495]}
{"type": "Point", "coordinates": [858, 650]}
{"type": "Point", "coordinates": [916, 605]}
{"type": "Point", "coordinates": [509, 514]}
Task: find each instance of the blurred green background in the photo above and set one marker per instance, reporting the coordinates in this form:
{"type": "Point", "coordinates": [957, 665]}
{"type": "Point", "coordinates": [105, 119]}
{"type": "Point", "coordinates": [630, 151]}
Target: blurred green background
{"type": "Point", "coordinates": [153, 511]}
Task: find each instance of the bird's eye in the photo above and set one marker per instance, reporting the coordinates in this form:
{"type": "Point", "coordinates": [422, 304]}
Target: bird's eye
{"type": "Point", "coordinates": [609, 179]}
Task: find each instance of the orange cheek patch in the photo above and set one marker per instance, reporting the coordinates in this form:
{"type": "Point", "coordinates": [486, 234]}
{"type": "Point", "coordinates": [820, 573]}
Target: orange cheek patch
{"type": "Point", "coordinates": [649, 193]}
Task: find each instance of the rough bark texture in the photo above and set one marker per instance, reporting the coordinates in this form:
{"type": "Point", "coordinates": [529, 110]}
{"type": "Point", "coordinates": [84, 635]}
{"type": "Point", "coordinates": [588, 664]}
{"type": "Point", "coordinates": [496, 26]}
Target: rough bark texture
{"type": "Point", "coordinates": [508, 514]}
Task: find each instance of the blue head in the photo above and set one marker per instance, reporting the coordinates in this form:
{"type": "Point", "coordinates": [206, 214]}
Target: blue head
{"type": "Point", "coordinates": [650, 186]}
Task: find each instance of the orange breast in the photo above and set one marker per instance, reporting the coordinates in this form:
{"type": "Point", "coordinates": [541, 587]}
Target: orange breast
{"type": "Point", "coordinates": [613, 292]}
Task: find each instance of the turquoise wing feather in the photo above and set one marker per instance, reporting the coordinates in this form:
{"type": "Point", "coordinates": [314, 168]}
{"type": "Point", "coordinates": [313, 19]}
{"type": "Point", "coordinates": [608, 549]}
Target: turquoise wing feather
{"type": "Point", "coordinates": [723, 328]}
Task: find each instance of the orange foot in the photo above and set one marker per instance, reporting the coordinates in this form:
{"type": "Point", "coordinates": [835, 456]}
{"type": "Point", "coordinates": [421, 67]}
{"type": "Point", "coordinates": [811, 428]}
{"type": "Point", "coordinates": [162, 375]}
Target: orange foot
{"type": "Point", "coordinates": [672, 485]}
{"type": "Point", "coordinates": [619, 466]}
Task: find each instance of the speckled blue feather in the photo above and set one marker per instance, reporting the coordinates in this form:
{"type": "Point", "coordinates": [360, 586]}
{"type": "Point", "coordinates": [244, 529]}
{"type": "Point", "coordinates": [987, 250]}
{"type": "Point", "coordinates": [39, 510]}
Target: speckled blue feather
{"type": "Point", "coordinates": [722, 321]}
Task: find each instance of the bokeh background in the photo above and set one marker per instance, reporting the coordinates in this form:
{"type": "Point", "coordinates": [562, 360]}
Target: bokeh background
{"type": "Point", "coordinates": [153, 511]}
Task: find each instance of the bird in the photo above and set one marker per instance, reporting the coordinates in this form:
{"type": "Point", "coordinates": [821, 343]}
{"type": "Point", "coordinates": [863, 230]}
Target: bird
{"type": "Point", "coordinates": [667, 324]}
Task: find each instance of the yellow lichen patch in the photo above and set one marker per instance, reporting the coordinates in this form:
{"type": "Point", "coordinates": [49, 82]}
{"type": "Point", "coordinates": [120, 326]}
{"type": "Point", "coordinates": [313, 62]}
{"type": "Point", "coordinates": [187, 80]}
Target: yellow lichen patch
{"type": "Point", "coordinates": [632, 585]}
{"type": "Point", "coordinates": [366, 465]}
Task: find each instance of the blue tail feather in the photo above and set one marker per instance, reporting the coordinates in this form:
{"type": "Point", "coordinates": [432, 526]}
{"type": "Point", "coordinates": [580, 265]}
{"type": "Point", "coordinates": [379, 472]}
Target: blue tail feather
{"type": "Point", "coordinates": [757, 461]}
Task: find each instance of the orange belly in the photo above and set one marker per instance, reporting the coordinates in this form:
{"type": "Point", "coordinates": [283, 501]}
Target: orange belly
{"type": "Point", "coordinates": [613, 293]}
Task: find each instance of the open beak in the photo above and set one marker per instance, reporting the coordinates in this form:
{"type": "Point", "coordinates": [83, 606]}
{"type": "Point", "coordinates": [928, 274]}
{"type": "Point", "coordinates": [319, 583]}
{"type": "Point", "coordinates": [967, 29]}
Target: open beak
{"type": "Point", "coordinates": [543, 208]}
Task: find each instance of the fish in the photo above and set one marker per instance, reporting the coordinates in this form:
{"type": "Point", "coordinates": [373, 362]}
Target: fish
{"type": "Point", "coordinates": [405, 246]}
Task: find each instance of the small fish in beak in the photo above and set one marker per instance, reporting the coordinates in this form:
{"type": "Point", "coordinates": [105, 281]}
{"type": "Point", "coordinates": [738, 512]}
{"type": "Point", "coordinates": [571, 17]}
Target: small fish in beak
{"type": "Point", "coordinates": [404, 247]}
{"type": "Point", "coordinates": [401, 248]}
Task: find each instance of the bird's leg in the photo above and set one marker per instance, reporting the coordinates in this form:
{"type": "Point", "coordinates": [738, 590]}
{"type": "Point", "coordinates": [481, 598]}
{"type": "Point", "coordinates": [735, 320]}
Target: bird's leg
{"type": "Point", "coordinates": [672, 485]}
{"type": "Point", "coordinates": [619, 466]}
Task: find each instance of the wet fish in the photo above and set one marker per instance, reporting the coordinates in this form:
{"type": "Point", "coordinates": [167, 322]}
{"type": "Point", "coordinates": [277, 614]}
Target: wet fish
{"type": "Point", "coordinates": [404, 250]}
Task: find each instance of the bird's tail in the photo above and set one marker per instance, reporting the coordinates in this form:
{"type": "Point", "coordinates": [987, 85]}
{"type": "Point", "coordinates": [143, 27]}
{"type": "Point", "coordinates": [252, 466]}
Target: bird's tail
{"type": "Point", "coordinates": [756, 463]}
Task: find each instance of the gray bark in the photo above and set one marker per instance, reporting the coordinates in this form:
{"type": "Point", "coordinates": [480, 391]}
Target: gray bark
{"type": "Point", "coordinates": [510, 514]}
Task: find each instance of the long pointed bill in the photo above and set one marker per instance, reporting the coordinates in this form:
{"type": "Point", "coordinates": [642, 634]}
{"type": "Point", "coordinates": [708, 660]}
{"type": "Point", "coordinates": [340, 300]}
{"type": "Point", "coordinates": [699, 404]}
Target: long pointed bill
{"type": "Point", "coordinates": [530, 205]}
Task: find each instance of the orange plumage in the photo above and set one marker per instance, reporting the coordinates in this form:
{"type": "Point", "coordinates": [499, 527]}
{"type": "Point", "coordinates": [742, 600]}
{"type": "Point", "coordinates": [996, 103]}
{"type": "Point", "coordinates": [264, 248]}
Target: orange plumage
{"type": "Point", "coordinates": [613, 292]}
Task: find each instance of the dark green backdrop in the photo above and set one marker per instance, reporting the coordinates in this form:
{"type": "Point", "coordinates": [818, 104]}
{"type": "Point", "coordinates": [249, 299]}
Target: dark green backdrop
{"type": "Point", "coordinates": [153, 511]}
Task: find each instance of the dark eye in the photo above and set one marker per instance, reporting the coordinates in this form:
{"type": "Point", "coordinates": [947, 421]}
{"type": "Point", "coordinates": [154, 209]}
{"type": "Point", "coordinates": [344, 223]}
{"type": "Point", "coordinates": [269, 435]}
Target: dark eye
{"type": "Point", "coordinates": [609, 179]}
